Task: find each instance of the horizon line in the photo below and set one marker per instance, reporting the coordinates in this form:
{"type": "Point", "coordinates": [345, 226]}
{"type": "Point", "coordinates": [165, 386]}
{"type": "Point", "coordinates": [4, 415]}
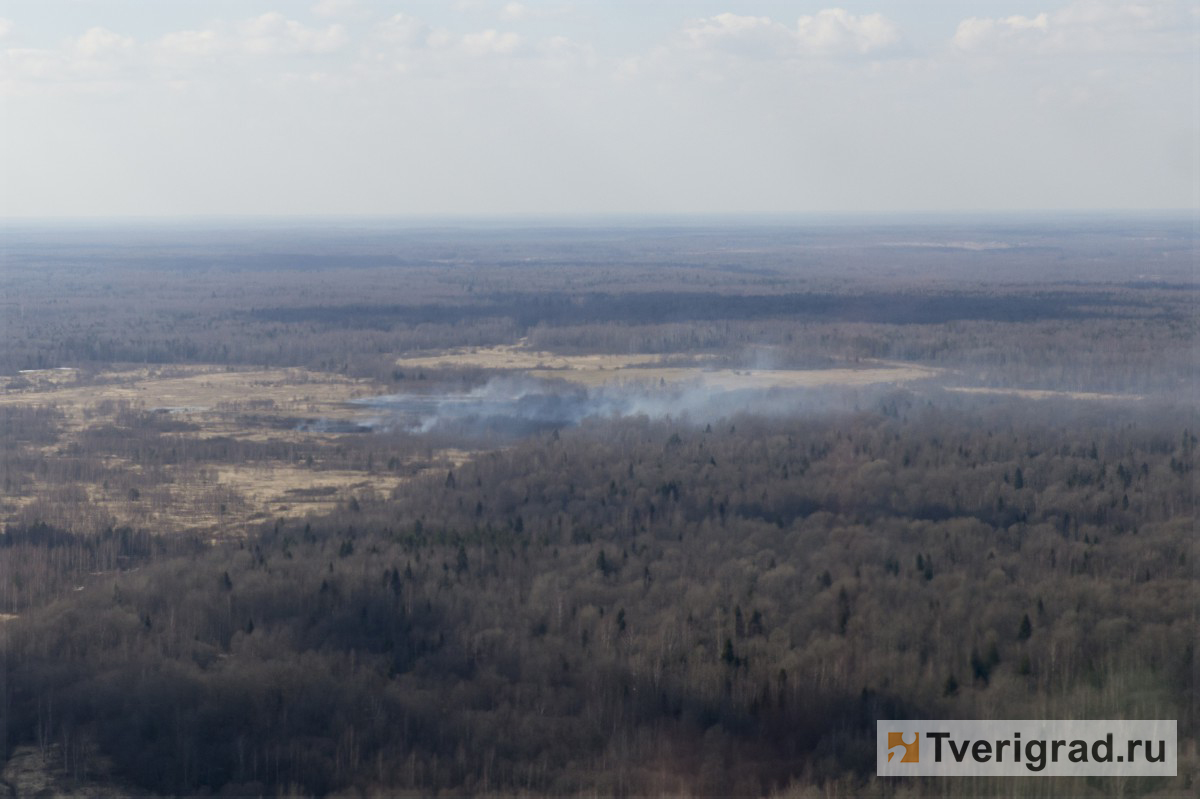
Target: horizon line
{"type": "Point", "coordinates": [582, 219]}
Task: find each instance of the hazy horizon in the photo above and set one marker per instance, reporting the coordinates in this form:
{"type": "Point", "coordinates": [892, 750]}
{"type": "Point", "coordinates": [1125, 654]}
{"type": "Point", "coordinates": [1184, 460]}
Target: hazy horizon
{"type": "Point", "coordinates": [482, 108]}
{"type": "Point", "coordinates": [613, 220]}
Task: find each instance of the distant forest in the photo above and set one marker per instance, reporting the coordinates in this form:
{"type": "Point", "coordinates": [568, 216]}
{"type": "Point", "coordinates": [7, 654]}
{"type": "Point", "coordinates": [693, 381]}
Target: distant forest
{"type": "Point", "coordinates": [1100, 305]}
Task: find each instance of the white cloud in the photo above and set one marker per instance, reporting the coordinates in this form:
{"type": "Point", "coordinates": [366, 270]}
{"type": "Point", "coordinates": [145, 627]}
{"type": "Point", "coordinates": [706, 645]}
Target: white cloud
{"type": "Point", "coordinates": [103, 60]}
{"type": "Point", "coordinates": [1095, 27]}
{"type": "Point", "coordinates": [831, 32]}
{"type": "Point", "coordinates": [5, 27]}
{"type": "Point", "coordinates": [406, 44]}
{"type": "Point", "coordinates": [727, 111]}
{"type": "Point", "coordinates": [333, 8]}
{"type": "Point", "coordinates": [265, 35]}
{"type": "Point", "coordinates": [191, 44]}
{"type": "Point", "coordinates": [440, 38]}
{"type": "Point", "coordinates": [566, 49]}
{"type": "Point", "coordinates": [561, 60]}
{"type": "Point", "coordinates": [489, 42]}
{"type": "Point", "coordinates": [97, 42]}
{"type": "Point", "coordinates": [976, 32]}
{"type": "Point", "coordinates": [96, 60]}
{"type": "Point", "coordinates": [837, 31]}
{"type": "Point", "coordinates": [736, 33]}
{"type": "Point", "coordinates": [402, 30]}
{"type": "Point", "coordinates": [514, 11]}
{"type": "Point", "coordinates": [33, 63]}
{"type": "Point", "coordinates": [272, 33]}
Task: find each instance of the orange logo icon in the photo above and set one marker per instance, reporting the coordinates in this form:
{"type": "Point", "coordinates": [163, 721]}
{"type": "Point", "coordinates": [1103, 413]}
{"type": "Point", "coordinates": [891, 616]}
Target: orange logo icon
{"type": "Point", "coordinates": [905, 744]}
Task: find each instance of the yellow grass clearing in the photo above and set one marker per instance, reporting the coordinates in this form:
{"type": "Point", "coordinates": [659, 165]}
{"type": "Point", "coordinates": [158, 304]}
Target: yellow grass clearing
{"type": "Point", "coordinates": [273, 491]}
{"type": "Point", "coordinates": [606, 369]}
{"type": "Point", "coordinates": [194, 390]}
{"type": "Point", "coordinates": [1037, 393]}
{"type": "Point", "coordinates": [729, 379]}
{"type": "Point", "coordinates": [221, 402]}
{"type": "Point", "coordinates": [220, 499]}
{"type": "Point", "coordinates": [517, 357]}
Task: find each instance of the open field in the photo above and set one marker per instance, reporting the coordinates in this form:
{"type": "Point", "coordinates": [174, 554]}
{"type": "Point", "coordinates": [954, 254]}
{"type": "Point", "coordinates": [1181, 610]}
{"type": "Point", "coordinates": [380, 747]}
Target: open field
{"type": "Point", "coordinates": [599, 369]}
{"type": "Point", "coordinates": [219, 501]}
{"type": "Point", "coordinates": [517, 356]}
{"type": "Point", "coordinates": [193, 407]}
{"type": "Point", "coordinates": [736, 379]}
{"type": "Point", "coordinates": [190, 391]}
{"type": "Point", "coordinates": [1028, 393]}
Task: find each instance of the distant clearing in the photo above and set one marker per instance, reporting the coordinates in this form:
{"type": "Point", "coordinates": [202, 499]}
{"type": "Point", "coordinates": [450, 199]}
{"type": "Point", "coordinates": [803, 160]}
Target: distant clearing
{"type": "Point", "coordinates": [607, 369]}
{"type": "Point", "coordinates": [196, 390]}
{"type": "Point", "coordinates": [1036, 393]}
{"type": "Point", "coordinates": [734, 379]}
{"type": "Point", "coordinates": [516, 357]}
{"type": "Point", "coordinates": [262, 406]}
{"type": "Point", "coordinates": [221, 500]}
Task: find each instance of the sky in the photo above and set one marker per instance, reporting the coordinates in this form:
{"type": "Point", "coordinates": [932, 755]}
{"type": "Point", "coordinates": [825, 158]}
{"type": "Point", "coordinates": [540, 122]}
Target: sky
{"type": "Point", "coordinates": [178, 108]}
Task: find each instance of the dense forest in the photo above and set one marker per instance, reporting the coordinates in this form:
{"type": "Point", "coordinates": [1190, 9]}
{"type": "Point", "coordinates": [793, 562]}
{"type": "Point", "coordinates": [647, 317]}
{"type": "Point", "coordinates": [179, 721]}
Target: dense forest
{"type": "Point", "coordinates": [1078, 304]}
{"type": "Point", "coordinates": [635, 605]}
{"type": "Point", "coordinates": [635, 608]}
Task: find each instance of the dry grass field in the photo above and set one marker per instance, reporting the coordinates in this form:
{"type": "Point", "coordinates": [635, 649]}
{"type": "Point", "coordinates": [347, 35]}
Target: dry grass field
{"type": "Point", "coordinates": [215, 403]}
{"type": "Point", "coordinates": [221, 501]}
{"type": "Point", "coordinates": [194, 392]}
{"type": "Point", "coordinates": [608, 369]}
{"type": "Point", "coordinates": [734, 379]}
{"type": "Point", "coordinates": [517, 356]}
{"type": "Point", "coordinates": [1026, 393]}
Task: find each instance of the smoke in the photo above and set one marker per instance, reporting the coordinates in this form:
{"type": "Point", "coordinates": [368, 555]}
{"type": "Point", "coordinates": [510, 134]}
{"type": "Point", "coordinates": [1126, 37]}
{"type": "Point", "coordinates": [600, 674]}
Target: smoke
{"type": "Point", "coordinates": [506, 405]}
{"type": "Point", "coordinates": [519, 406]}
{"type": "Point", "coordinates": [332, 426]}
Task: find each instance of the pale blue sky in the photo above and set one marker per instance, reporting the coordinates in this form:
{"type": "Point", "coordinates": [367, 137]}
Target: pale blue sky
{"type": "Point", "coordinates": [494, 107]}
